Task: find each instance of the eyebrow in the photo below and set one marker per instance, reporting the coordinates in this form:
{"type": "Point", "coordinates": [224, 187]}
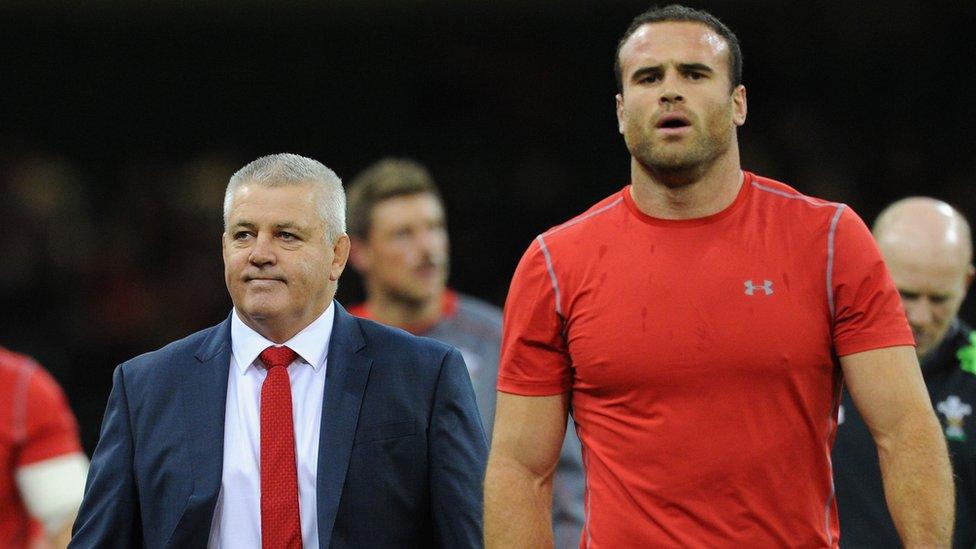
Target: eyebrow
{"type": "Point", "coordinates": [683, 67]}
{"type": "Point", "coordinates": [245, 224]}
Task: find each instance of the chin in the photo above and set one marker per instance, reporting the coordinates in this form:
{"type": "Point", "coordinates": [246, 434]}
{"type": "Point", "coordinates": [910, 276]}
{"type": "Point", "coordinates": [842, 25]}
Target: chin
{"type": "Point", "coordinates": [260, 310]}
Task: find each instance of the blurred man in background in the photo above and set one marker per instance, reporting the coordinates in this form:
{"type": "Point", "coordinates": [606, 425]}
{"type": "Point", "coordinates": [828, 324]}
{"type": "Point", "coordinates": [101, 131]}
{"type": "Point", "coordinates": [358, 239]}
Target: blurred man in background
{"type": "Point", "coordinates": [42, 467]}
{"type": "Point", "coordinates": [928, 248]}
{"type": "Point", "coordinates": [400, 247]}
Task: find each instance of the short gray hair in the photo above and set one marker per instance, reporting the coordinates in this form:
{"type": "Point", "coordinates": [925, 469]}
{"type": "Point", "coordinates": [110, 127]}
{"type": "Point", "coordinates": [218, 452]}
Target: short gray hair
{"type": "Point", "coordinates": [277, 170]}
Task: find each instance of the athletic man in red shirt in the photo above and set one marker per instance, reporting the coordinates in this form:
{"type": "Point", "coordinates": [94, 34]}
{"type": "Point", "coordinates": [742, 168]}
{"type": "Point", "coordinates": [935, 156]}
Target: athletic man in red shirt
{"type": "Point", "coordinates": [699, 323]}
{"type": "Point", "coordinates": [42, 467]}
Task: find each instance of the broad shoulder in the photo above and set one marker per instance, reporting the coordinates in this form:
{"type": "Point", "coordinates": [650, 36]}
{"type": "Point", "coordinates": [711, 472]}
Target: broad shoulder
{"type": "Point", "coordinates": [777, 194]}
{"type": "Point", "coordinates": [477, 311]}
{"type": "Point", "coordinates": [606, 211]}
{"type": "Point", "coordinates": [963, 353]}
{"type": "Point", "coordinates": [14, 364]}
{"type": "Point", "coordinates": [187, 348]}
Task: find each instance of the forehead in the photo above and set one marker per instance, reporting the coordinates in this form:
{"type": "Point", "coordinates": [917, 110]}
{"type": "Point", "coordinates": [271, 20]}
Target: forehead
{"type": "Point", "coordinates": [256, 203]}
{"type": "Point", "coordinates": [405, 209]}
{"type": "Point", "coordinates": [924, 273]}
{"type": "Point", "coordinates": [673, 41]}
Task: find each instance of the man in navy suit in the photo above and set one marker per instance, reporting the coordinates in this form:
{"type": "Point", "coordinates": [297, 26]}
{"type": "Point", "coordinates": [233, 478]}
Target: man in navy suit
{"type": "Point", "coordinates": [291, 423]}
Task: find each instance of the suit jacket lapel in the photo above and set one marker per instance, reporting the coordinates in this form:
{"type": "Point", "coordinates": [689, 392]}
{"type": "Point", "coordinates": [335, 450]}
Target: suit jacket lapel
{"type": "Point", "coordinates": [205, 398]}
{"type": "Point", "coordinates": [345, 383]}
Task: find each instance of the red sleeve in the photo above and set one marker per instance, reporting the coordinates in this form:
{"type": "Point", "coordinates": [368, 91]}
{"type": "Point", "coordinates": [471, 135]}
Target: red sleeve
{"type": "Point", "coordinates": [534, 358]}
{"type": "Point", "coordinates": [868, 313]}
{"type": "Point", "coordinates": [50, 429]}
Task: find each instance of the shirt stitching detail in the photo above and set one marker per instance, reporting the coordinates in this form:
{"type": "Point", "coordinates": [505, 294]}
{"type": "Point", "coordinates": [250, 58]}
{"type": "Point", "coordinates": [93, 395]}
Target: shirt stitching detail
{"type": "Point", "coordinates": [552, 273]}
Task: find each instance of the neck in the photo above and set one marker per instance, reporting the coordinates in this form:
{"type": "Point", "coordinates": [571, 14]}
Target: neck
{"type": "Point", "coordinates": [410, 315]}
{"type": "Point", "coordinates": [697, 192]}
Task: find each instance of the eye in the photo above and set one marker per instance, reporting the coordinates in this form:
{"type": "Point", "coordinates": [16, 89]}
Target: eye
{"type": "Point", "coordinates": [242, 235]}
{"type": "Point", "coordinates": [938, 299]}
{"type": "Point", "coordinates": [286, 236]}
{"type": "Point", "coordinates": [695, 75]}
{"type": "Point", "coordinates": [908, 296]}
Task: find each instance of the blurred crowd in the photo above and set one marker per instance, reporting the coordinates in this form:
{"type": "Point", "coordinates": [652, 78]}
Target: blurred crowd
{"type": "Point", "coordinates": [100, 278]}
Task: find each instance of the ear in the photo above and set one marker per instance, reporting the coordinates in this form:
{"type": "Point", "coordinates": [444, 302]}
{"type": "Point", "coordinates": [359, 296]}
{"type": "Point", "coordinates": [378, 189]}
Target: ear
{"type": "Point", "coordinates": [970, 274]}
{"type": "Point", "coordinates": [340, 255]}
{"type": "Point", "coordinates": [619, 98]}
{"type": "Point", "coordinates": [359, 255]}
{"type": "Point", "coordinates": [739, 107]}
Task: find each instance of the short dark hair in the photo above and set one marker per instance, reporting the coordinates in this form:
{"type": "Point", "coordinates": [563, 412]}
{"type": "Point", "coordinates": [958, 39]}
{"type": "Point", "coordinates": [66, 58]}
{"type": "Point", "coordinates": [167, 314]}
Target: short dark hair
{"type": "Point", "coordinates": [388, 178]}
{"type": "Point", "coordinates": [677, 13]}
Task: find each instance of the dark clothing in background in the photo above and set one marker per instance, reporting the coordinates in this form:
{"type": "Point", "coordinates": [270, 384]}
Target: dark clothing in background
{"type": "Point", "coordinates": [950, 375]}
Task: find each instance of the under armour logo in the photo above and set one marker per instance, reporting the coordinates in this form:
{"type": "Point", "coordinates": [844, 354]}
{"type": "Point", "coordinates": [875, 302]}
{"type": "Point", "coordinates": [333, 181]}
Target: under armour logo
{"type": "Point", "coordinates": [767, 287]}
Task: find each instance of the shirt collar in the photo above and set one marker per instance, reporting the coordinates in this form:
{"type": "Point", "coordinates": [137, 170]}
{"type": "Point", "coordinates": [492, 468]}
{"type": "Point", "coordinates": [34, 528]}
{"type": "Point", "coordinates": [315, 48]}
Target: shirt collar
{"type": "Point", "coordinates": [311, 344]}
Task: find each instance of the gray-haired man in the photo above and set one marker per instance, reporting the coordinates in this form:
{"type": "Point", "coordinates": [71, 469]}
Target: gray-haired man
{"type": "Point", "coordinates": [291, 423]}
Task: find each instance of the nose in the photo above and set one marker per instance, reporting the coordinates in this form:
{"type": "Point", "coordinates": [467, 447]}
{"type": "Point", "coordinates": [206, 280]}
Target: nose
{"type": "Point", "coordinates": [433, 242]}
{"type": "Point", "coordinates": [262, 253]}
{"type": "Point", "coordinates": [669, 89]}
{"type": "Point", "coordinates": [919, 312]}
{"type": "Point", "coordinates": [670, 97]}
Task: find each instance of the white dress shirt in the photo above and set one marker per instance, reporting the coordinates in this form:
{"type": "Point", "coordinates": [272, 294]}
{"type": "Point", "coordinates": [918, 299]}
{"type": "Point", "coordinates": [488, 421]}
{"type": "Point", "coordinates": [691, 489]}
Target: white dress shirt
{"type": "Point", "coordinates": [237, 516]}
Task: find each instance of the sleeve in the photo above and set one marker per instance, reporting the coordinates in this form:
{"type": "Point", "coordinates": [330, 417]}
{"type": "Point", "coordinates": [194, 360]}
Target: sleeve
{"type": "Point", "coordinates": [51, 489]}
{"type": "Point", "coordinates": [50, 429]}
{"type": "Point", "coordinates": [458, 456]}
{"type": "Point", "coordinates": [534, 356]}
{"type": "Point", "coordinates": [569, 492]}
{"type": "Point", "coordinates": [867, 309]}
{"type": "Point", "coordinates": [109, 514]}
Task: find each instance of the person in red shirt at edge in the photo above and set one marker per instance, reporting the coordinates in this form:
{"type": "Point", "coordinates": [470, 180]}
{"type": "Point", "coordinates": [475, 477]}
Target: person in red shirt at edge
{"type": "Point", "coordinates": [42, 466]}
{"type": "Point", "coordinates": [700, 323]}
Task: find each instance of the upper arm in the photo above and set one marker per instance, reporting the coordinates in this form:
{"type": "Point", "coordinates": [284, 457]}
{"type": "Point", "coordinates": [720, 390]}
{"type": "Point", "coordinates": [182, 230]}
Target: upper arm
{"type": "Point", "coordinates": [458, 453]}
{"type": "Point", "coordinates": [50, 429]}
{"type": "Point", "coordinates": [886, 385]}
{"type": "Point", "coordinates": [534, 356]}
{"type": "Point", "coordinates": [109, 514]}
{"type": "Point", "coordinates": [867, 310]}
{"type": "Point", "coordinates": [51, 489]}
{"type": "Point", "coordinates": [529, 432]}
{"type": "Point", "coordinates": [569, 491]}
{"type": "Point", "coordinates": [49, 467]}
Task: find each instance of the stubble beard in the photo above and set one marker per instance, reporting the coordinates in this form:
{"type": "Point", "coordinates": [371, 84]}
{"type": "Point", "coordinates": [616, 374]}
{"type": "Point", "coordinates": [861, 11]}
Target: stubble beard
{"type": "Point", "coordinates": [681, 164]}
{"type": "Point", "coordinates": [417, 298]}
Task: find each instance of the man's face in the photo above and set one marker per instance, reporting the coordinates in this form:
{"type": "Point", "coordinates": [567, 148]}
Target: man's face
{"type": "Point", "coordinates": [405, 254]}
{"type": "Point", "coordinates": [279, 268]}
{"type": "Point", "coordinates": [931, 291]}
{"type": "Point", "coordinates": [676, 111]}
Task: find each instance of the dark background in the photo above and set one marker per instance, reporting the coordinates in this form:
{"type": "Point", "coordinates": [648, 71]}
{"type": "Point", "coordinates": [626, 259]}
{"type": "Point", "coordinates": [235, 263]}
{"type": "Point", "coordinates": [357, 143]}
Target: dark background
{"type": "Point", "coordinates": [120, 124]}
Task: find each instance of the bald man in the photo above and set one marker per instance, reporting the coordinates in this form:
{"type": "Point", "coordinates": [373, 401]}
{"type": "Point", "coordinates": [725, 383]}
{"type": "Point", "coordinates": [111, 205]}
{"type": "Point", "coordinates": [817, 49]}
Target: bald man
{"type": "Point", "coordinates": [927, 246]}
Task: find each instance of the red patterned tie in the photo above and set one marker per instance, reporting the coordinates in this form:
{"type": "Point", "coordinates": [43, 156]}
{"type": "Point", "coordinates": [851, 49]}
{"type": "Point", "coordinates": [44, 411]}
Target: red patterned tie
{"type": "Point", "coordinates": [280, 519]}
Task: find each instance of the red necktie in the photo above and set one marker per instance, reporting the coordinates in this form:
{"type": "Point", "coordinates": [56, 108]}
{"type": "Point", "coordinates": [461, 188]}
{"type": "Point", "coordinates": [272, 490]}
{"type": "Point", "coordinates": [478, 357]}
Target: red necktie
{"type": "Point", "coordinates": [280, 519]}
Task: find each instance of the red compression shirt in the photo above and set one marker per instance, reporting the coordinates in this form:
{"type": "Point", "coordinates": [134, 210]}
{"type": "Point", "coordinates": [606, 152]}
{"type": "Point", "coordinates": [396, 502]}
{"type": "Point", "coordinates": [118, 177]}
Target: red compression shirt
{"type": "Point", "coordinates": [35, 424]}
{"type": "Point", "coordinates": [701, 355]}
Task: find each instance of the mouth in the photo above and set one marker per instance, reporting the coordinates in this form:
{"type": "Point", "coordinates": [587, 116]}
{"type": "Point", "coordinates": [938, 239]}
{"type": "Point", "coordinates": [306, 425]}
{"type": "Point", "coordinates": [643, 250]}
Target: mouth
{"type": "Point", "coordinates": [673, 123]}
{"type": "Point", "coordinates": [428, 271]}
{"type": "Point", "coordinates": [262, 280]}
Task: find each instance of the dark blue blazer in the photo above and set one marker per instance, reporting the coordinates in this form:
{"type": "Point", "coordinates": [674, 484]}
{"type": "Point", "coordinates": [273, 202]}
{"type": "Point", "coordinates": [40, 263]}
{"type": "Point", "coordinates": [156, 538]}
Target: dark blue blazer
{"type": "Point", "coordinates": [401, 455]}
